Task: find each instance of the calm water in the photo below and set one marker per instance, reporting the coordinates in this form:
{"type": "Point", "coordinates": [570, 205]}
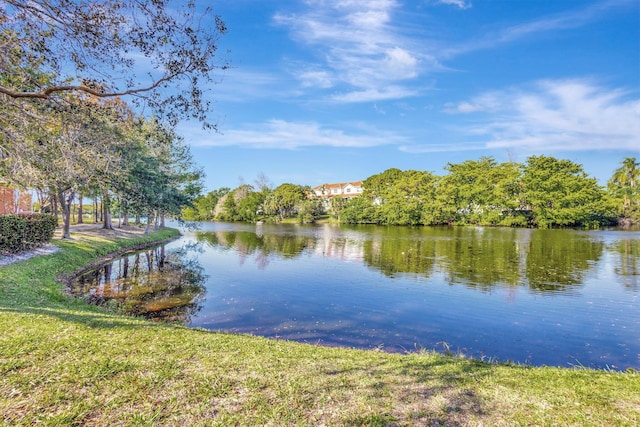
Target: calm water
{"type": "Point", "coordinates": [540, 297]}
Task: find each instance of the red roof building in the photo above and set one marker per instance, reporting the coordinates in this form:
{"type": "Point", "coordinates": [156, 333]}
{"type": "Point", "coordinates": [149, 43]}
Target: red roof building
{"type": "Point", "coordinates": [13, 201]}
{"type": "Point", "coordinates": [346, 190]}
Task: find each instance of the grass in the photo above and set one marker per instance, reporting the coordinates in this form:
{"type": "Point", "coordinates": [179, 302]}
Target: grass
{"type": "Point", "coordinates": [63, 362]}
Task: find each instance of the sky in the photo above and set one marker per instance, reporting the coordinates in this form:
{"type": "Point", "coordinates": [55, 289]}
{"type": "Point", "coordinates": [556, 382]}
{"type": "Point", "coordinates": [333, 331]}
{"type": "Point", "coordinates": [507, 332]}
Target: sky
{"type": "Point", "coordinates": [326, 91]}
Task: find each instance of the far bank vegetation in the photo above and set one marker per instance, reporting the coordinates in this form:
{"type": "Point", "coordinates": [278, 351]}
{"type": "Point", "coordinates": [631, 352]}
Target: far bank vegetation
{"type": "Point", "coordinates": [543, 192]}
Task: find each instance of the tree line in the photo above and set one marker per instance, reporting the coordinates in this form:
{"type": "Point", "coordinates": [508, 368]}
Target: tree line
{"type": "Point", "coordinates": [543, 192]}
{"type": "Point", "coordinates": [66, 130]}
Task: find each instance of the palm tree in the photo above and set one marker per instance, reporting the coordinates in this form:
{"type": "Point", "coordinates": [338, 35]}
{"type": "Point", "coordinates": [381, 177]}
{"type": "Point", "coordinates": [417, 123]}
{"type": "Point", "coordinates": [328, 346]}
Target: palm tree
{"type": "Point", "coordinates": [625, 181]}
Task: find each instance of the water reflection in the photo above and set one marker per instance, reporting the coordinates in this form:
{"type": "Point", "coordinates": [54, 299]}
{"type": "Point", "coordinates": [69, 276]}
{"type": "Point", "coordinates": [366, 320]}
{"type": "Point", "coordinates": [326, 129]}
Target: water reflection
{"type": "Point", "coordinates": [628, 265]}
{"type": "Point", "coordinates": [554, 297]}
{"type": "Point", "coordinates": [482, 258]}
{"type": "Point", "coordinates": [154, 283]}
{"type": "Point", "coordinates": [260, 245]}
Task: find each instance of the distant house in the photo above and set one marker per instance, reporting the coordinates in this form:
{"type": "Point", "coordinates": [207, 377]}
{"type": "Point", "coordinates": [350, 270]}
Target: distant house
{"type": "Point", "coordinates": [345, 190]}
{"type": "Point", "coordinates": [13, 201]}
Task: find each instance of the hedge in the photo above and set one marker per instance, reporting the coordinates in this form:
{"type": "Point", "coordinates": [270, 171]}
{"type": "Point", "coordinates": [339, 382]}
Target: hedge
{"type": "Point", "coordinates": [25, 231]}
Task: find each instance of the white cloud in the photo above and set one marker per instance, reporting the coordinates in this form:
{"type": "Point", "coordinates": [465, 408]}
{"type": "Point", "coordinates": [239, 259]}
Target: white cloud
{"type": "Point", "coordinates": [373, 94]}
{"type": "Point", "coordinates": [462, 4]}
{"type": "Point", "coordinates": [356, 45]}
{"type": "Point", "coordinates": [281, 134]}
{"type": "Point", "coordinates": [315, 78]}
{"type": "Point", "coordinates": [242, 84]}
{"type": "Point", "coordinates": [564, 115]}
{"type": "Point", "coordinates": [400, 64]}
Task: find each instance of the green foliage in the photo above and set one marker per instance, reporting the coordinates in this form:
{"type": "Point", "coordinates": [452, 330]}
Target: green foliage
{"type": "Point", "coordinates": [204, 207]}
{"type": "Point", "coordinates": [406, 197]}
{"type": "Point", "coordinates": [545, 192]}
{"type": "Point", "coordinates": [159, 176]}
{"type": "Point", "coordinates": [25, 231]}
{"type": "Point", "coordinates": [242, 204]}
{"type": "Point", "coordinates": [360, 210]}
{"type": "Point", "coordinates": [282, 201]}
{"type": "Point", "coordinates": [482, 191]}
{"type": "Point", "coordinates": [559, 193]}
{"type": "Point", "coordinates": [249, 207]}
{"type": "Point", "coordinates": [50, 48]}
{"type": "Point", "coordinates": [309, 210]}
{"type": "Point", "coordinates": [624, 187]}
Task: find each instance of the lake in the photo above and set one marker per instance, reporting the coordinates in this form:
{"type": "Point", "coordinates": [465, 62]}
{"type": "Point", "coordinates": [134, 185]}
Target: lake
{"type": "Point", "coordinates": [538, 297]}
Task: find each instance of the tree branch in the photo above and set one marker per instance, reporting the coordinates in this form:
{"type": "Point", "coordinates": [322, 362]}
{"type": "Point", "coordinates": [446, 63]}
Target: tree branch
{"type": "Point", "coordinates": [46, 93]}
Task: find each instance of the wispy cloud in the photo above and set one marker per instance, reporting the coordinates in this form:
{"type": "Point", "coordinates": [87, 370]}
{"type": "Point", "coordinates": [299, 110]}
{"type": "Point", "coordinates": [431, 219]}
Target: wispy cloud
{"type": "Point", "coordinates": [363, 54]}
{"type": "Point", "coordinates": [374, 94]}
{"type": "Point", "coordinates": [565, 115]}
{"type": "Point", "coordinates": [242, 84]}
{"type": "Point", "coordinates": [462, 4]}
{"type": "Point", "coordinates": [358, 49]}
{"type": "Point", "coordinates": [281, 134]}
{"type": "Point", "coordinates": [575, 18]}
{"type": "Point", "coordinates": [443, 148]}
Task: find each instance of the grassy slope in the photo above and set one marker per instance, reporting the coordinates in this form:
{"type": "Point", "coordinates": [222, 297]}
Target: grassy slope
{"type": "Point", "coordinates": [63, 362]}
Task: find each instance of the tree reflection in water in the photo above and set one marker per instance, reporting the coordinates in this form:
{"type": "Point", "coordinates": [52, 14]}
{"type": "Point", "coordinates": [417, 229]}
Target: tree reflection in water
{"type": "Point", "coordinates": [153, 283]}
{"type": "Point", "coordinates": [260, 246]}
{"type": "Point", "coordinates": [544, 261]}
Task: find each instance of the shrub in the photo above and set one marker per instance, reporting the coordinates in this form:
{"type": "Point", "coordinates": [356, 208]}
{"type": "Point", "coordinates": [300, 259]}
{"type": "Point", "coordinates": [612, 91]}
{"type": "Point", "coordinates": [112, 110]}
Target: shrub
{"type": "Point", "coordinates": [25, 231]}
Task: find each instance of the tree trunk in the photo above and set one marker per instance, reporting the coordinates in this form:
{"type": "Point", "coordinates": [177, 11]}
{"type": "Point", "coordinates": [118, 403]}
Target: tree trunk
{"type": "Point", "coordinates": [106, 214]}
{"type": "Point", "coordinates": [54, 205]}
{"type": "Point", "coordinates": [162, 220]}
{"type": "Point", "coordinates": [95, 209]}
{"type": "Point", "coordinates": [80, 208]}
{"type": "Point", "coordinates": [125, 214]}
{"type": "Point", "coordinates": [65, 204]}
{"type": "Point", "coordinates": [149, 219]}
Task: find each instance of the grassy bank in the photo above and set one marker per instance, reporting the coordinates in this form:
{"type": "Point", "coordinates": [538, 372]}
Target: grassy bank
{"type": "Point", "coordinates": [64, 363]}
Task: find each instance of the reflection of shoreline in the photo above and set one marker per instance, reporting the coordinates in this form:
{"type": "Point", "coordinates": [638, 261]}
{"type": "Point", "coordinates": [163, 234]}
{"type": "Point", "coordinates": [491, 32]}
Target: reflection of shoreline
{"type": "Point", "coordinates": [263, 244]}
{"type": "Point", "coordinates": [547, 261]}
{"type": "Point", "coordinates": [343, 248]}
{"type": "Point", "coordinates": [152, 283]}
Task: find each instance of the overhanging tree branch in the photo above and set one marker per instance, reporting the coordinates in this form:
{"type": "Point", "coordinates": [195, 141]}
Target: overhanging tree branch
{"type": "Point", "coordinates": [46, 93]}
{"type": "Point", "coordinates": [49, 47]}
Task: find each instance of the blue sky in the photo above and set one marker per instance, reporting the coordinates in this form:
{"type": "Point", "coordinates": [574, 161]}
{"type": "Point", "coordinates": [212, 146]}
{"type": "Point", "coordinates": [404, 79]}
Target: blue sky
{"type": "Point", "coordinates": [338, 90]}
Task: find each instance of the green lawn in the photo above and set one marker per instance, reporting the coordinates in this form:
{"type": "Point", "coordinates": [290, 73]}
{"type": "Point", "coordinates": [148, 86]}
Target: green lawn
{"type": "Point", "coordinates": [65, 363]}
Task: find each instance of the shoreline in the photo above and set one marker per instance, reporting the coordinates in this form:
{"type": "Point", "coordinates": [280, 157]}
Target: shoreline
{"type": "Point", "coordinates": [66, 362]}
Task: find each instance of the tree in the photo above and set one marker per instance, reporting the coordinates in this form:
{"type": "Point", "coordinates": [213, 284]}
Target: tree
{"type": "Point", "coordinates": [49, 48]}
{"type": "Point", "coordinates": [204, 206]}
{"type": "Point", "coordinates": [624, 184]}
{"type": "Point", "coordinates": [161, 176]}
{"type": "Point", "coordinates": [377, 186]}
{"type": "Point", "coordinates": [337, 204]}
{"type": "Point", "coordinates": [559, 192]}
{"type": "Point", "coordinates": [481, 191]}
{"type": "Point", "coordinates": [360, 210]}
{"type": "Point", "coordinates": [282, 201]}
{"type": "Point", "coordinates": [309, 210]}
{"type": "Point", "coordinates": [407, 197]}
{"type": "Point", "coordinates": [64, 153]}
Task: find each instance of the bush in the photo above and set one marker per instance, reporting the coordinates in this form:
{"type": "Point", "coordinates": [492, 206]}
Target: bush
{"type": "Point", "coordinates": [25, 231]}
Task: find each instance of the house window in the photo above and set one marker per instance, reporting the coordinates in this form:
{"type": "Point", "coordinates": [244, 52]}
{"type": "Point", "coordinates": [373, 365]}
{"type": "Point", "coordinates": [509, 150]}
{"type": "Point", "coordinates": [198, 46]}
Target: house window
{"type": "Point", "coordinates": [348, 190]}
